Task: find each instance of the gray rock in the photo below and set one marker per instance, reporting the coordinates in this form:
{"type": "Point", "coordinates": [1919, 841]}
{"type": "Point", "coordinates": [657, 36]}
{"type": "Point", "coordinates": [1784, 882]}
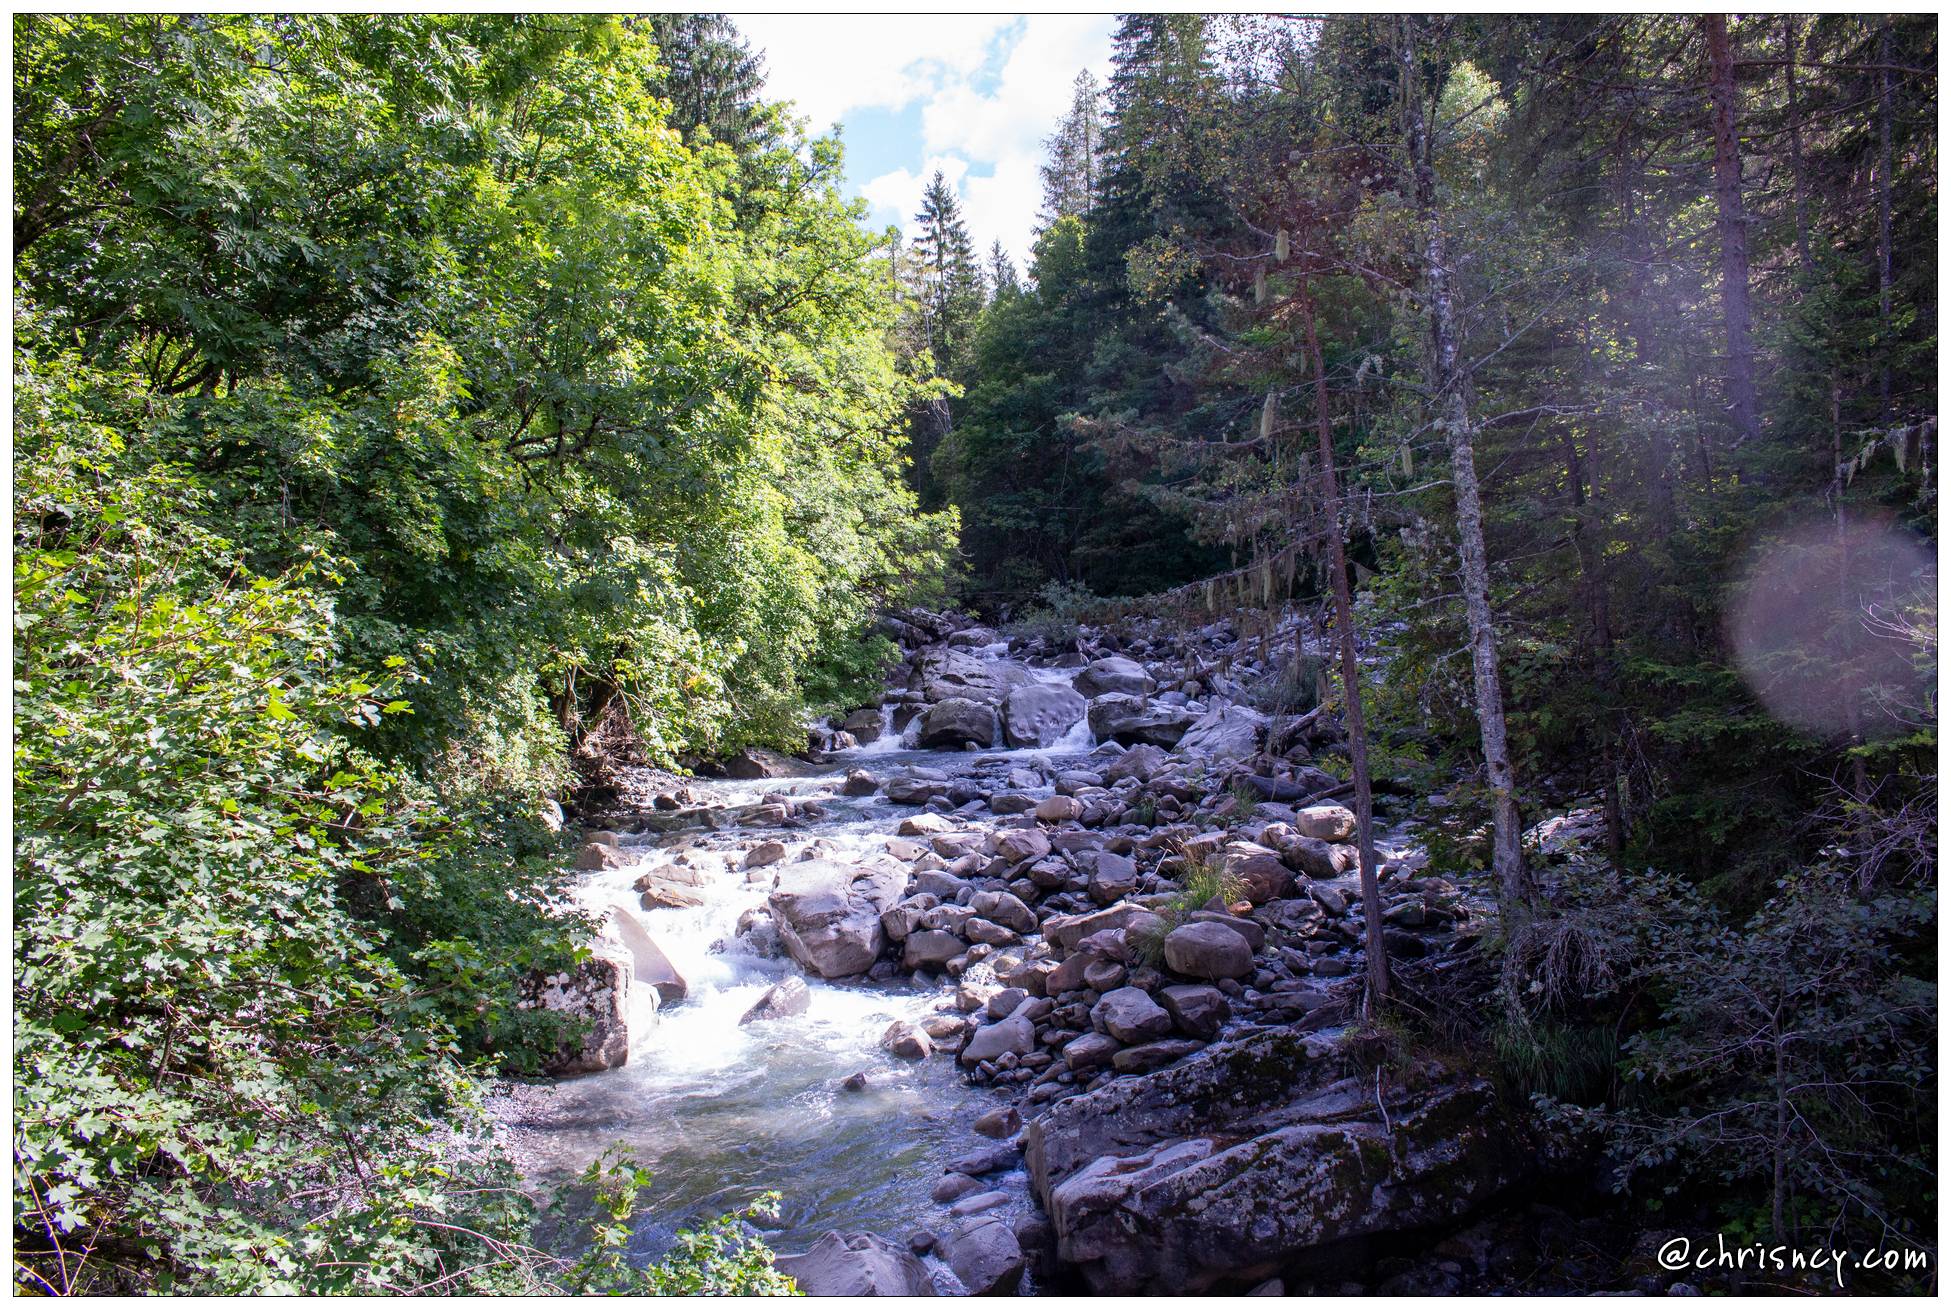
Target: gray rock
{"type": "Point", "coordinates": [1012, 1036]}
{"type": "Point", "coordinates": [1091, 1051]}
{"type": "Point", "coordinates": [1197, 1010]}
{"type": "Point", "coordinates": [1001, 1122]}
{"type": "Point", "coordinates": [1154, 1055]}
{"type": "Point", "coordinates": [1207, 950]}
{"type": "Point", "coordinates": [985, 1255]}
{"type": "Point", "coordinates": [1130, 1015]}
{"type": "Point", "coordinates": [856, 1264]}
{"type": "Point", "coordinates": [1006, 909]}
{"type": "Point", "coordinates": [957, 722]}
{"type": "Point", "coordinates": [906, 1041]}
{"type": "Point", "coordinates": [1244, 1158]}
{"type": "Point", "coordinates": [782, 1000]}
{"type": "Point", "coordinates": [1019, 844]}
{"type": "Point", "coordinates": [1059, 809]}
{"type": "Point", "coordinates": [597, 990]}
{"type": "Point", "coordinates": [1113, 673]}
{"type": "Point", "coordinates": [859, 782]}
{"type": "Point", "coordinates": [1330, 823]}
{"type": "Point", "coordinates": [1113, 877]}
{"type": "Point", "coordinates": [953, 1185]}
{"type": "Point", "coordinates": [1040, 715]}
{"type": "Point", "coordinates": [1141, 762]}
{"type": "Point", "coordinates": [931, 949]}
{"type": "Point", "coordinates": [1132, 721]}
{"type": "Point", "coordinates": [648, 962]}
{"type": "Point", "coordinates": [829, 914]}
{"type": "Point", "coordinates": [955, 675]}
{"type": "Point", "coordinates": [1225, 732]}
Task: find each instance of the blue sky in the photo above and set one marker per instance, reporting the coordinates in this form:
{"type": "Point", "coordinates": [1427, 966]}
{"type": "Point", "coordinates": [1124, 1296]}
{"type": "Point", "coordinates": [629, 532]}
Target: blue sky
{"type": "Point", "coordinates": [971, 94]}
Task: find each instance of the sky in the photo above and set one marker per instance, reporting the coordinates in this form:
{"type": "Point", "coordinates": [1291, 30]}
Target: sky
{"type": "Point", "coordinates": [972, 94]}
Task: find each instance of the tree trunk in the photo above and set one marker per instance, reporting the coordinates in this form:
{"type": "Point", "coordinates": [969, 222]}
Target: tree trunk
{"type": "Point", "coordinates": [1733, 224]}
{"type": "Point", "coordinates": [1792, 40]}
{"type": "Point", "coordinates": [1507, 851]}
{"type": "Point", "coordinates": [1351, 683]}
{"type": "Point", "coordinates": [1883, 253]}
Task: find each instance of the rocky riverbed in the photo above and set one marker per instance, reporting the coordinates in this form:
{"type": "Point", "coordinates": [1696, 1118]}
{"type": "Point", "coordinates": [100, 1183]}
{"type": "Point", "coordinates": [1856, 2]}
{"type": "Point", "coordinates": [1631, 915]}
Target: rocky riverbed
{"type": "Point", "coordinates": [1032, 974]}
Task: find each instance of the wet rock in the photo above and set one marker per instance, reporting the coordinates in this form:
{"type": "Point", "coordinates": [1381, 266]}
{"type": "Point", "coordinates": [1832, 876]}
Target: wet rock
{"type": "Point", "coordinates": [595, 856]}
{"type": "Point", "coordinates": [954, 675]}
{"type": "Point", "coordinates": [784, 999]}
{"type": "Point", "coordinates": [859, 782]}
{"type": "Point", "coordinates": [906, 1041]}
{"type": "Point", "coordinates": [987, 933]}
{"type": "Point", "coordinates": [829, 914]}
{"type": "Point", "coordinates": [1130, 1016]}
{"type": "Point", "coordinates": [985, 1255]}
{"type": "Point", "coordinates": [925, 825]}
{"type": "Point", "coordinates": [1010, 802]}
{"type": "Point", "coordinates": [983, 1160]}
{"type": "Point", "coordinates": [1207, 950]}
{"type": "Point", "coordinates": [863, 725]}
{"type": "Point", "coordinates": [856, 1264]}
{"type": "Point", "coordinates": [1196, 1010]}
{"type": "Point", "coordinates": [1114, 673]}
{"type": "Point", "coordinates": [755, 762]}
{"type": "Point", "coordinates": [957, 722]}
{"type": "Point", "coordinates": [977, 1203]}
{"type": "Point", "coordinates": [1132, 722]}
{"type": "Point", "coordinates": [648, 962]}
{"type": "Point", "coordinates": [1040, 715]}
{"type": "Point", "coordinates": [1014, 1036]}
{"type": "Point", "coordinates": [951, 1186]}
{"type": "Point", "coordinates": [766, 852]}
{"type": "Point", "coordinates": [1002, 1122]}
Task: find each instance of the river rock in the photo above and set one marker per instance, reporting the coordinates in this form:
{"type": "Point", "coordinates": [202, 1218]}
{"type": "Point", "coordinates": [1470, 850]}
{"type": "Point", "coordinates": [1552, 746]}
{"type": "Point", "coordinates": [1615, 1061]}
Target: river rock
{"type": "Point", "coordinates": [1248, 1156]}
{"type": "Point", "coordinates": [1207, 950]}
{"type": "Point", "coordinates": [957, 722]}
{"type": "Point", "coordinates": [906, 1041]}
{"type": "Point", "coordinates": [1130, 1015]}
{"type": "Point", "coordinates": [596, 990]}
{"type": "Point", "coordinates": [985, 1255]}
{"type": "Point", "coordinates": [1330, 823]}
{"type": "Point", "coordinates": [956, 675]}
{"type": "Point", "coordinates": [1113, 877]}
{"type": "Point", "coordinates": [930, 950]}
{"type": "Point", "coordinates": [1000, 1122]}
{"type": "Point", "coordinates": [856, 1264]}
{"type": "Point", "coordinates": [859, 782]}
{"type": "Point", "coordinates": [1019, 844]}
{"type": "Point", "coordinates": [1059, 809]}
{"type": "Point", "coordinates": [756, 762]}
{"type": "Point", "coordinates": [829, 914]}
{"type": "Point", "coordinates": [783, 1000]}
{"type": "Point", "coordinates": [649, 964]}
{"type": "Point", "coordinates": [1261, 874]}
{"type": "Point", "coordinates": [925, 825]}
{"type": "Point", "coordinates": [1040, 715]}
{"type": "Point", "coordinates": [1196, 1009]}
{"type": "Point", "coordinates": [1226, 732]}
{"type": "Point", "coordinates": [1113, 673]}
{"type": "Point", "coordinates": [864, 724]}
{"type": "Point", "coordinates": [1132, 721]}
{"type": "Point", "coordinates": [596, 855]}
{"type": "Point", "coordinates": [766, 852]}
{"type": "Point", "coordinates": [1013, 1036]}
{"type": "Point", "coordinates": [1154, 1055]}
{"type": "Point", "coordinates": [1006, 909]}
{"type": "Point", "coordinates": [1090, 1051]}
{"type": "Point", "coordinates": [1142, 762]}
{"type": "Point", "coordinates": [952, 1186]}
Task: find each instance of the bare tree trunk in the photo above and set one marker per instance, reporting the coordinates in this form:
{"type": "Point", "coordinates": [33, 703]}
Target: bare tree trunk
{"type": "Point", "coordinates": [1507, 850]}
{"type": "Point", "coordinates": [1351, 684]}
{"type": "Point", "coordinates": [1883, 251]}
{"type": "Point", "coordinates": [1733, 223]}
{"type": "Point", "coordinates": [1591, 567]}
{"type": "Point", "coordinates": [1792, 41]}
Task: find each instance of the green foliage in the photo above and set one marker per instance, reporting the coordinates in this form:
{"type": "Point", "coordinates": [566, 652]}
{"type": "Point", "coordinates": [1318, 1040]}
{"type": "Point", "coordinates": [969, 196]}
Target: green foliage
{"type": "Point", "coordinates": [393, 393]}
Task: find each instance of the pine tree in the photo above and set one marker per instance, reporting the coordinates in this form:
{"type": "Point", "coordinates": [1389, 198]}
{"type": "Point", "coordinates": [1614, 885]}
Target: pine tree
{"type": "Point", "coordinates": [950, 284]}
{"type": "Point", "coordinates": [1074, 169]}
{"type": "Point", "coordinates": [1002, 271]}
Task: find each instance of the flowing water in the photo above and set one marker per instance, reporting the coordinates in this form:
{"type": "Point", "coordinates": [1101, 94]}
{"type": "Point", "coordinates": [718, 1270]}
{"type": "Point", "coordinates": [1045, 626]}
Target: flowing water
{"type": "Point", "coordinates": [720, 1112]}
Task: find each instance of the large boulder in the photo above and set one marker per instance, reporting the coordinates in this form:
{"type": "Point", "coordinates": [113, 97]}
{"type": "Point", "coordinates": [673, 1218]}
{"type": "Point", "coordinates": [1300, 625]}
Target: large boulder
{"type": "Point", "coordinates": [1040, 715]}
{"type": "Point", "coordinates": [947, 674]}
{"type": "Point", "coordinates": [985, 1255]}
{"type": "Point", "coordinates": [596, 991]}
{"type": "Point", "coordinates": [652, 967]}
{"type": "Point", "coordinates": [1015, 1035]}
{"type": "Point", "coordinates": [755, 762]}
{"type": "Point", "coordinates": [829, 914]}
{"type": "Point", "coordinates": [1251, 1155]}
{"type": "Point", "coordinates": [865, 725]}
{"type": "Point", "coordinates": [1131, 1016]}
{"type": "Point", "coordinates": [1330, 823]}
{"type": "Point", "coordinates": [1140, 762]}
{"type": "Point", "coordinates": [957, 722]}
{"type": "Point", "coordinates": [1225, 732]}
{"type": "Point", "coordinates": [1133, 721]}
{"type": "Point", "coordinates": [856, 1264]}
{"type": "Point", "coordinates": [1113, 673]}
{"type": "Point", "coordinates": [1207, 950]}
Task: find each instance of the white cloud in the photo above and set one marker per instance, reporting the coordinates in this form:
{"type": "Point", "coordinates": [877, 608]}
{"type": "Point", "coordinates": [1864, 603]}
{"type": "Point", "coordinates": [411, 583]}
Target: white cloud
{"type": "Point", "coordinates": [983, 126]}
{"type": "Point", "coordinates": [833, 64]}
